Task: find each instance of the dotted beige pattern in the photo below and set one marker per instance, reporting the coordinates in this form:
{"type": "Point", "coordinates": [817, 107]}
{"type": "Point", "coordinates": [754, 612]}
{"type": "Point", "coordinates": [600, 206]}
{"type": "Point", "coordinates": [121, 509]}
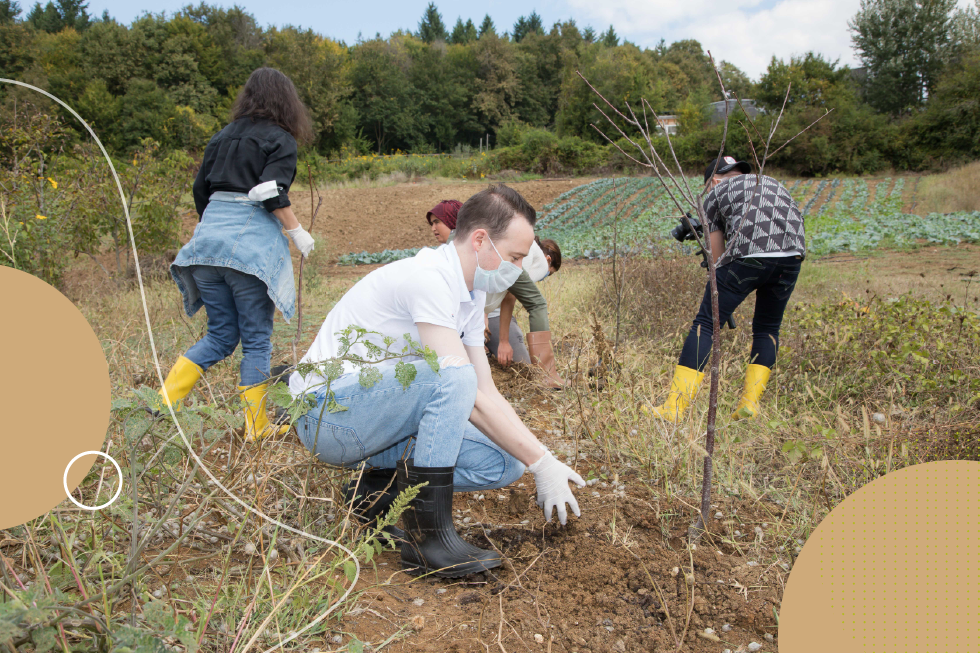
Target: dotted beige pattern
{"type": "Point", "coordinates": [894, 568]}
{"type": "Point", "coordinates": [54, 397]}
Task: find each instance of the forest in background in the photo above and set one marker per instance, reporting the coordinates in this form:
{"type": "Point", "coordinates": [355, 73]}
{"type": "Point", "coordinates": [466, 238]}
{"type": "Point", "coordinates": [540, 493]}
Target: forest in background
{"type": "Point", "coordinates": [172, 78]}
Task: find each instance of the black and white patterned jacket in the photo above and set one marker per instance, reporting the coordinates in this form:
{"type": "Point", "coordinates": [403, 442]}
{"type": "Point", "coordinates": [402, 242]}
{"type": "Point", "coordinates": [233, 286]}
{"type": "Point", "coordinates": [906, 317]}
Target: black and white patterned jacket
{"type": "Point", "coordinates": [757, 215]}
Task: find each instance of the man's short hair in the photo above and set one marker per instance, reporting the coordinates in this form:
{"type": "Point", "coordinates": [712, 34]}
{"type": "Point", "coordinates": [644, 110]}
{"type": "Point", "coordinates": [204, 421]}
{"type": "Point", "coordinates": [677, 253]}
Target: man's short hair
{"type": "Point", "coordinates": [493, 209]}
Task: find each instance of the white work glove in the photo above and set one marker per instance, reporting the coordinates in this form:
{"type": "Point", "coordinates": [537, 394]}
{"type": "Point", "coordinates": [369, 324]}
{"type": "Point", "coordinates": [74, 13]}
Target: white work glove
{"type": "Point", "coordinates": [552, 477]}
{"type": "Point", "coordinates": [301, 239]}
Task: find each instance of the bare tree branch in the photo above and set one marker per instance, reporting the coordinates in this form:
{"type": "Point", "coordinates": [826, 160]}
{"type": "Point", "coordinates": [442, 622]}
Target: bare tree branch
{"type": "Point", "coordinates": [801, 131]}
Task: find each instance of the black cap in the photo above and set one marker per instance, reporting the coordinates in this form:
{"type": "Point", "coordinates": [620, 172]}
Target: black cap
{"type": "Point", "coordinates": [725, 164]}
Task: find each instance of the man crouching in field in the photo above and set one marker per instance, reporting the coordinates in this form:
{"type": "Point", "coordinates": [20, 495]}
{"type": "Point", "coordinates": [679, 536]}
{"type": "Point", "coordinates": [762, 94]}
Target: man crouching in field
{"type": "Point", "coordinates": [450, 429]}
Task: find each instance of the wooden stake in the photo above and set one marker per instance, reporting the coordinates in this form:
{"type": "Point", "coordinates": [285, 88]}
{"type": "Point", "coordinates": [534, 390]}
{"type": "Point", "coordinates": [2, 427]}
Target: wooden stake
{"type": "Point", "coordinates": [302, 260]}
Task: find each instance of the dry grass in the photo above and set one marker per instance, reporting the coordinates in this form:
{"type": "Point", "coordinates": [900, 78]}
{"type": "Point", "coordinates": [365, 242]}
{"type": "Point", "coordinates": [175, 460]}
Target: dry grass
{"type": "Point", "coordinates": [956, 190]}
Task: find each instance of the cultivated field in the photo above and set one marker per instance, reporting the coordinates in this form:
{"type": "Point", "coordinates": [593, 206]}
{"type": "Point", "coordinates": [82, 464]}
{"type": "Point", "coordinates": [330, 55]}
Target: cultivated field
{"type": "Point", "coordinates": [878, 370]}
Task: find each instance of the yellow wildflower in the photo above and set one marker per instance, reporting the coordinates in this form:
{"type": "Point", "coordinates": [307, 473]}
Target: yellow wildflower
{"type": "Point", "coordinates": [54, 184]}
{"type": "Point", "coordinates": [41, 217]}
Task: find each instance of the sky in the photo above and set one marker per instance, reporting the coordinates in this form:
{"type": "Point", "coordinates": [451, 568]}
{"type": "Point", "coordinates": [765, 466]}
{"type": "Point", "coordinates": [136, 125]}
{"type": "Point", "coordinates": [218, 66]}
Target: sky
{"type": "Point", "coordinates": [746, 33]}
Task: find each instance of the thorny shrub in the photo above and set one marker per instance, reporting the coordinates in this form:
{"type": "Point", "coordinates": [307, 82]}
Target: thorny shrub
{"type": "Point", "coordinates": [904, 351]}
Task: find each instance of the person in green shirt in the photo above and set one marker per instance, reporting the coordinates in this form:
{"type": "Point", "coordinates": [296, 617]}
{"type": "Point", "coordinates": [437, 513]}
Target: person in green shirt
{"type": "Point", "coordinates": [506, 342]}
{"type": "Point", "coordinates": [524, 290]}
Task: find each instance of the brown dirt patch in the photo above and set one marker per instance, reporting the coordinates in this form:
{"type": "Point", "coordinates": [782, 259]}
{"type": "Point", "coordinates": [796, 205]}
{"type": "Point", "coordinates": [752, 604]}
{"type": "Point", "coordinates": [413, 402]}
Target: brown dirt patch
{"type": "Point", "coordinates": [599, 584]}
{"type": "Point", "coordinates": [603, 583]}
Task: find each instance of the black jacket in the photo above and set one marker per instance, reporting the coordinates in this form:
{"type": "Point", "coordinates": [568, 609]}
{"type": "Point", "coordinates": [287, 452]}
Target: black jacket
{"type": "Point", "coordinates": [243, 155]}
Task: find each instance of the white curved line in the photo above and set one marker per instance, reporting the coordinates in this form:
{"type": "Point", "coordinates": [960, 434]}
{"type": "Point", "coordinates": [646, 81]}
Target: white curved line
{"type": "Point", "coordinates": [156, 362]}
{"type": "Point", "coordinates": [64, 480]}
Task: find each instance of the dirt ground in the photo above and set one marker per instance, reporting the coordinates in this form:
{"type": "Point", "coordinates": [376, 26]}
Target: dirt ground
{"type": "Point", "coordinates": [605, 582]}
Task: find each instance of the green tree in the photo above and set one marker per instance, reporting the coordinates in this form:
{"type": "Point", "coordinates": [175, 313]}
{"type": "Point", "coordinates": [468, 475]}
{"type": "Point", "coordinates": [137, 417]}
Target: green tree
{"type": "Point", "coordinates": [320, 69]}
{"type": "Point", "coordinates": [34, 209]}
{"type": "Point", "coordinates": [948, 130]}
{"type": "Point", "coordinates": [236, 46]}
{"type": "Point", "coordinates": [55, 17]}
{"type": "Point", "coordinates": [811, 80]}
{"type": "Point", "coordinates": [463, 32]}
{"type": "Point", "coordinates": [966, 27]}
{"type": "Point", "coordinates": [854, 139]}
{"type": "Point", "coordinates": [524, 26]}
{"type": "Point", "coordinates": [60, 58]}
{"type": "Point", "coordinates": [144, 112]}
{"type": "Point", "coordinates": [621, 74]}
{"type": "Point", "coordinates": [9, 10]}
{"type": "Point", "coordinates": [431, 27]}
{"type": "Point", "coordinates": [110, 53]}
{"type": "Point", "coordinates": [589, 34]}
{"type": "Point", "coordinates": [18, 51]}
{"type": "Point", "coordinates": [74, 14]}
{"type": "Point", "coordinates": [735, 80]}
{"type": "Point", "coordinates": [541, 61]}
{"type": "Point", "coordinates": [386, 103]}
{"type": "Point", "coordinates": [46, 18]}
{"type": "Point", "coordinates": [609, 38]}
{"type": "Point", "coordinates": [99, 107]}
{"type": "Point", "coordinates": [152, 182]}
{"type": "Point", "coordinates": [904, 45]}
{"type": "Point", "coordinates": [498, 83]}
{"type": "Point", "coordinates": [693, 114]}
{"type": "Point", "coordinates": [441, 78]}
{"type": "Point", "coordinates": [487, 27]}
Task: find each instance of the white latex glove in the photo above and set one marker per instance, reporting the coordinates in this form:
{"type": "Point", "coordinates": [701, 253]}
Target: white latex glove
{"type": "Point", "coordinates": [551, 478]}
{"type": "Point", "coordinates": [301, 239]}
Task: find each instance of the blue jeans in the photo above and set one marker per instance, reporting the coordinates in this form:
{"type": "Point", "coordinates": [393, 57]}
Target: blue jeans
{"type": "Point", "coordinates": [239, 309]}
{"type": "Point", "coordinates": [237, 233]}
{"type": "Point", "coordinates": [384, 423]}
{"type": "Point", "coordinates": [773, 280]}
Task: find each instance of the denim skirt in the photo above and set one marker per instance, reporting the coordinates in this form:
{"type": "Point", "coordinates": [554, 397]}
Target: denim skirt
{"type": "Point", "coordinates": [236, 232]}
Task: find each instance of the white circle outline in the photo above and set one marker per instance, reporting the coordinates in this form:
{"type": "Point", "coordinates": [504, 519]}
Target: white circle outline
{"type": "Point", "coordinates": [180, 430]}
{"type": "Point", "coordinates": [115, 496]}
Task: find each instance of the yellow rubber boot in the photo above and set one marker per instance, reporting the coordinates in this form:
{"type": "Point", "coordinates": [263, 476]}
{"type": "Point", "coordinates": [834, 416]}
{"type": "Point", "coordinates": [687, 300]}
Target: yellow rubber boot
{"type": "Point", "coordinates": [257, 424]}
{"type": "Point", "coordinates": [682, 389]}
{"type": "Point", "coordinates": [756, 378]}
{"type": "Point", "coordinates": [181, 379]}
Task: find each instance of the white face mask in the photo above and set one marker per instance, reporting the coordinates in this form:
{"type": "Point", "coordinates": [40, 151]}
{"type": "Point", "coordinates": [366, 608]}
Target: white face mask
{"type": "Point", "coordinates": [499, 280]}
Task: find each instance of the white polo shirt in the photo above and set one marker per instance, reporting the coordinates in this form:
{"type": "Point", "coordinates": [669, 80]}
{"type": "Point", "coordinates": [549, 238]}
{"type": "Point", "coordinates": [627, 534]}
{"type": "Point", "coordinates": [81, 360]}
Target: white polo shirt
{"type": "Point", "coordinates": [428, 287]}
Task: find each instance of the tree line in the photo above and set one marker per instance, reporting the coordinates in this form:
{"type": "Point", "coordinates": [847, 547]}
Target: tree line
{"type": "Point", "coordinates": [172, 78]}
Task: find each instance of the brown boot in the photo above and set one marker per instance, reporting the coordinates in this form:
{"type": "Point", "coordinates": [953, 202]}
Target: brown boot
{"type": "Point", "coordinates": [542, 355]}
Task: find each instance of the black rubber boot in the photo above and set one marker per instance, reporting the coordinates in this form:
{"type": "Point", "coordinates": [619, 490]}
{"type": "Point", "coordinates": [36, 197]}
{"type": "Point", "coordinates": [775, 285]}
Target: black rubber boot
{"type": "Point", "coordinates": [432, 544]}
{"type": "Point", "coordinates": [376, 491]}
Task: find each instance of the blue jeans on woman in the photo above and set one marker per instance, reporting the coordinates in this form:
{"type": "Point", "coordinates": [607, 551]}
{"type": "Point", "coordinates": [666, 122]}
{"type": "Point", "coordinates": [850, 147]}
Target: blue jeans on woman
{"type": "Point", "coordinates": [237, 266]}
{"type": "Point", "coordinates": [239, 309]}
{"type": "Point", "coordinates": [772, 279]}
{"type": "Point", "coordinates": [427, 421]}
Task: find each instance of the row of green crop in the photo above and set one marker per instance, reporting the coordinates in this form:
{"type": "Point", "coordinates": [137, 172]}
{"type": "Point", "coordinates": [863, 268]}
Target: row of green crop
{"type": "Point", "coordinates": [635, 216]}
{"type": "Point", "coordinates": [369, 258]}
{"type": "Point", "coordinates": [638, 215]}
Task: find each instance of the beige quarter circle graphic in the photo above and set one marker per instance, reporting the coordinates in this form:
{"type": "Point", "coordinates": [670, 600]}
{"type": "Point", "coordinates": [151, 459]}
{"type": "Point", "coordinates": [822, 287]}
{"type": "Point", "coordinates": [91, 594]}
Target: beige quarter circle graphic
{"type": "Point", "coordinates": [895, 567]}
{"type": "Point", "coordinates": [54, 396]}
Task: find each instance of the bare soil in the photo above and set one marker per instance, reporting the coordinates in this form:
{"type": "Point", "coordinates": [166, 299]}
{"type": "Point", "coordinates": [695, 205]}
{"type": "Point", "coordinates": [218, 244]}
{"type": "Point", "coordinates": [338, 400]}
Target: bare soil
{"type": "Point", "coordinates": [607, 581]}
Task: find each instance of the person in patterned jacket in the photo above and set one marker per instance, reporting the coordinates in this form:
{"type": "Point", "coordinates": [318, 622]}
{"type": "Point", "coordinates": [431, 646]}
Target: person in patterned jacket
{"type": "Point", "coordinates": [757, 241]}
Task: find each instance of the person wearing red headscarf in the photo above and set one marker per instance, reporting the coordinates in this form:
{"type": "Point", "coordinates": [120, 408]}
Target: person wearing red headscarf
{"type": "Point", "coordinates": [442, 219]}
